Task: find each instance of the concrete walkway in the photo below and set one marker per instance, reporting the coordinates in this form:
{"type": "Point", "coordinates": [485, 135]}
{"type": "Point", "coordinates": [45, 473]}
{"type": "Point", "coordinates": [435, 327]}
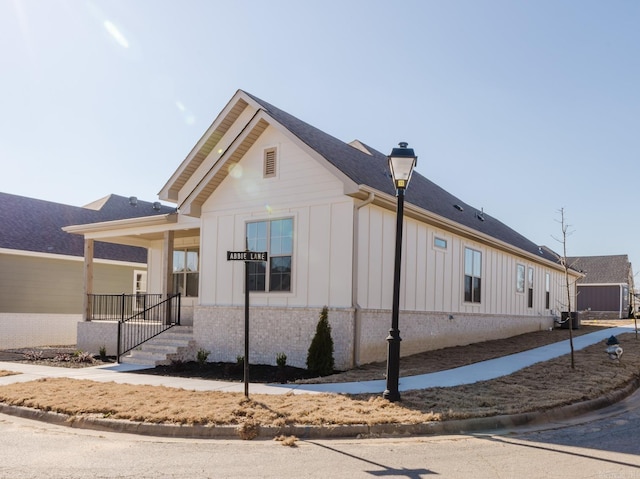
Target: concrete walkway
{"type": "Point", "coordinates": [494, 368]}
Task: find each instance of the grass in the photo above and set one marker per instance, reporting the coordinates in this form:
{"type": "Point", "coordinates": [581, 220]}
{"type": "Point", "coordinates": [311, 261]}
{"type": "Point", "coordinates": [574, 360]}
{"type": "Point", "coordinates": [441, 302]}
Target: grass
{"type": "Point", "coordinates": [539, 387]}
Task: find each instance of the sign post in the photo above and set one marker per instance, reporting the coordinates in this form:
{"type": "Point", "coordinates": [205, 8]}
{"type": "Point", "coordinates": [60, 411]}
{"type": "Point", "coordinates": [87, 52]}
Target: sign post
{"type": "Point", "coordinates": [248, 257]}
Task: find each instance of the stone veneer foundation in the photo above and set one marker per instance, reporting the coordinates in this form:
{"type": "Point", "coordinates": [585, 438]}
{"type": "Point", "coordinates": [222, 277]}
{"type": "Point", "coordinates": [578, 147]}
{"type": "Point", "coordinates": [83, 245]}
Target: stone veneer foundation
{"type": "Point", "coordinates": [359, 337]}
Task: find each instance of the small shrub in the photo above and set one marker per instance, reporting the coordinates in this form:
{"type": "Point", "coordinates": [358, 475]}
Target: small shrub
{"type": "Point", "coordinates": [239, 360]}
{"type": "Point", "coordinates": [320, 355]}
{"type": "Point", "coordinates": [201, 356]}
{"type": "Point", "coordinates": [103, 353]}
{"type": "Point", "coordinates": [35, 355]}
{"type": "Point", "coordinates": [62, 358]}
{"type": "Point", "coordinates": [281, 360]}
{"type": "Point", "coordinates": [82, 357]}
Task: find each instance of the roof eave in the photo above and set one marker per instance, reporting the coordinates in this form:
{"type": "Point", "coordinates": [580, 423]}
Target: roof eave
{"type": "Point", "coordinates": [389, 202]}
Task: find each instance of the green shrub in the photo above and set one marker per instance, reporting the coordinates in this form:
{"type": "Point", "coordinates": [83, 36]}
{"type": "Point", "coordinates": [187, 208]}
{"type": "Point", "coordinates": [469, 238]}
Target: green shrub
{"type": "Point", "coordinates": [281, 360]}
{"type": "Point", "coordinates": [201, 356]}
{"type": "Point", "coordinates": [320, 355]}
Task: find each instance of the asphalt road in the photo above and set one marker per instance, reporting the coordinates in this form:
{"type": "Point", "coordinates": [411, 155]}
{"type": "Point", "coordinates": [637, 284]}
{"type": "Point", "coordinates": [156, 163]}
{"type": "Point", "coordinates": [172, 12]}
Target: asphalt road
{"type": "Point", "coordinates": [603, 445]}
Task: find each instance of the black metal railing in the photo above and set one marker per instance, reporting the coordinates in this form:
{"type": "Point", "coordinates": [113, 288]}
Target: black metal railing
{"type": "Point", "coordinates": [140, 317]}
{"type": "Point", "coordinates": [117, 307]}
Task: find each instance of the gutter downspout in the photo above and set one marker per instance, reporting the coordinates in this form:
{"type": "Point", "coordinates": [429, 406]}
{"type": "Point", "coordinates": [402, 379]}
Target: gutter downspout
{"type": "Point", "coordinates": [354, 279]}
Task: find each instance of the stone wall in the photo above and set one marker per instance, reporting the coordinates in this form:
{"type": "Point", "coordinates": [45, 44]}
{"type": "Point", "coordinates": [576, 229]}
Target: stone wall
{"type": "Point", "coordinates": [93, 335]}
{"type": "Point", "coordinates": [429, 331]}
{"type": "Point", "coordinates": [272, 330]}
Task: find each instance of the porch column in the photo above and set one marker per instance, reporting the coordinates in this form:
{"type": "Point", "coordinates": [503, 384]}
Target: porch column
{"type": "Point", "coordinates": [167, 263]}
{"type": "Point", "coordinates": [88, 279]}
{"type": "Point", "coordinates": [167, 271]}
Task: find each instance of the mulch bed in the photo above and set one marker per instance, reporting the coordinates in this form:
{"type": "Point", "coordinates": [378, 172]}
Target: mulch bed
{"type": "Point", "coordinates": [58, 356]}
{"type": "Point", "coordinates": [258, 373]}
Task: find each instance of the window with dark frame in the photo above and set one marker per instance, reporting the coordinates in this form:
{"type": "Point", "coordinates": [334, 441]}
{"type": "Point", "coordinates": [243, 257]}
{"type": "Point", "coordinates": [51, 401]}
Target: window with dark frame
{"type": "Point", "coordinates": [547, 294]}
{"type": "Point", "coordinates": [275, 237]}
{"type": "Point", "coordinates": [472, 275]}
{"type": "Point", "coordinates": [185, 272]}
{"type": "Point", "coordinates": [530, 284]}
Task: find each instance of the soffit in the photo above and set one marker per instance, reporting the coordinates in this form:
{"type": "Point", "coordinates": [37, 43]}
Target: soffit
{"type": "Point", "coordinates": [204, 147]}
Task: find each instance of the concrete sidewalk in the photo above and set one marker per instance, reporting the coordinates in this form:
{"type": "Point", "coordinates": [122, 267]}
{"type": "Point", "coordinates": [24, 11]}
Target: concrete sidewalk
{"type": "Point", "coordinates": [494, 368]}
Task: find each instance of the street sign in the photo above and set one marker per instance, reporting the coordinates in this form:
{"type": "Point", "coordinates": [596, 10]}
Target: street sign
{"type": "Point", "coordinates": [247, 257]}
{"type": "Point", "coordinates": [257, 256]}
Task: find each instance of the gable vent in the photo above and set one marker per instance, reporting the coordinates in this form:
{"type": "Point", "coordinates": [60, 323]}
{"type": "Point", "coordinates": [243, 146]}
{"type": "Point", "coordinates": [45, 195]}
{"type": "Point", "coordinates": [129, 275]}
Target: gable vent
{"type": "Point", "coordinates": [269, 162]}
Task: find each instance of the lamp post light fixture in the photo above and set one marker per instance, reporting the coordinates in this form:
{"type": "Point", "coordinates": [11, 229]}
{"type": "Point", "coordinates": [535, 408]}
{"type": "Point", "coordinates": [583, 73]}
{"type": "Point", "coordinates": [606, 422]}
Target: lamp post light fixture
{"type": "Point", "coordinates": [402, 161]}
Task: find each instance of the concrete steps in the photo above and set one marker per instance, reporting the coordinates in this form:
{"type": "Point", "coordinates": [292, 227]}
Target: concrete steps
{"type": "Point", "coordinates": [175, 344]}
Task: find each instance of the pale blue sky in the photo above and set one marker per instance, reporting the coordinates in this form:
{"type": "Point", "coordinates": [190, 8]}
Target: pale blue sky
{"type": "Point", "coordinates": [517, 107]}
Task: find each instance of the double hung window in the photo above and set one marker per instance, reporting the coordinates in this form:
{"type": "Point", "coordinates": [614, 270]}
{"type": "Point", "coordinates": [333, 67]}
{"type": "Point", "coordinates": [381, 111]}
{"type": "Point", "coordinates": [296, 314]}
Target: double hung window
{"type": "Point", "coordinates": [530, 284]}
{"type": "Point", "coordinates": [276, 238]}
{"type": "Point", "coordinates": [547, 293]}
{"type": "Point", "coordinates": [472, 275]}
{"type": "Point", "coordinates": [520, 278]}
{"type": "Point", "coordinates": [185, 272]}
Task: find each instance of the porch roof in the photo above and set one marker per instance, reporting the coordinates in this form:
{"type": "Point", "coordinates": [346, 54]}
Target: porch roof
{"type": "Point", "coordinates": [138, 231]}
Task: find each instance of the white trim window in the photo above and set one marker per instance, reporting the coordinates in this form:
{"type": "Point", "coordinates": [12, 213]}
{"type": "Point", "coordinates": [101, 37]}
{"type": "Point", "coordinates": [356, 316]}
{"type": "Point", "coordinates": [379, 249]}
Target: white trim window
{"type": "Point", "coordinates": [276, 238]}
{"type": "Point", "coordinates": [547, 293]}
{"type": "Point", "coordinates": [530, 285]}
{"type": "Point", "coordinates": [439, 243]}
{"type": "Point", "coordinates": [520, 278]}
{"type": "Point", "coordinates": [472, 275]}
{"type": "Point", "coordinates": [185, 272]}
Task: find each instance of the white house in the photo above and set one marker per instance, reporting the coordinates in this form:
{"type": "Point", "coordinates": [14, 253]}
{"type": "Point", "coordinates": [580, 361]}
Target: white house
{"type": "Point", "coordinates": [325, 212]}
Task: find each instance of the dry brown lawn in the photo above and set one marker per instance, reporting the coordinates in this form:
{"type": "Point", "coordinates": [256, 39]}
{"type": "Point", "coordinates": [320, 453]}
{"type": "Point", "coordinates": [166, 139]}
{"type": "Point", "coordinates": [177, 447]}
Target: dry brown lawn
{"type": "Point", "coordinates": [539, 387]}
{"type": "Point", "coordinates": [6, 373]}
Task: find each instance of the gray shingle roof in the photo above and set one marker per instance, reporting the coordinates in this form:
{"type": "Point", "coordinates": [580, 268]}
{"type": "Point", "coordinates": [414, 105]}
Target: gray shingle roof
{"type": "Point", "coordinates": [372, 170]}
{"type": "Point", "coordinates": [29, 224]}
{"type": "Point", "coordinates": [613, 269]}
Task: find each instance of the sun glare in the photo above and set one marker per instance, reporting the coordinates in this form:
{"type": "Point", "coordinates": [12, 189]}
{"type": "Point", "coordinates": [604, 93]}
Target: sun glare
{"type": "Point", "coordinates": [235, 170]}
{"type": "Point", "coordinates": [116, 34]}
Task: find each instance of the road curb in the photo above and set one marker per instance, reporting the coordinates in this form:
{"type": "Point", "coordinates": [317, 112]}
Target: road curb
{"type": "Point", "coordinates": [249, 431]}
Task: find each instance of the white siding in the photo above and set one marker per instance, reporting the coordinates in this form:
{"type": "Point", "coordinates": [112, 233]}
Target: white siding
{"type": "Point", "coordinates": [322, 228]}
{"type": "Point", "coordinates": [433, 278]}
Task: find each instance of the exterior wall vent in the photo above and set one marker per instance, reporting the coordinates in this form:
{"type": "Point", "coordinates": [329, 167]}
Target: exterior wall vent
{"type": "Point", "coordinates": [270, 162]}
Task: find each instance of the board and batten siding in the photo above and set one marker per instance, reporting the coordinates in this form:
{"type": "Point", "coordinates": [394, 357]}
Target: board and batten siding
{"type": "Point", "coordinates": [432, 278]}
{"type": "Point", "coordinates": [322, 228]}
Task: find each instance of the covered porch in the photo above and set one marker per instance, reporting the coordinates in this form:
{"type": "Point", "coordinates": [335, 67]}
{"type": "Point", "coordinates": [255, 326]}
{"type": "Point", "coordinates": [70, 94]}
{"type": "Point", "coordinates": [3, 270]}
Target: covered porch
{"type": "Point", "coordinates": [161, 297]}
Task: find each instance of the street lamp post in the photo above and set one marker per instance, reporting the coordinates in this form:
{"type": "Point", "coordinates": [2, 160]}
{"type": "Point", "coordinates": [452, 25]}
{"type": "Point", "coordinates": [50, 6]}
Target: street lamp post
{"type": "Point", "coordinates": [402, 160]}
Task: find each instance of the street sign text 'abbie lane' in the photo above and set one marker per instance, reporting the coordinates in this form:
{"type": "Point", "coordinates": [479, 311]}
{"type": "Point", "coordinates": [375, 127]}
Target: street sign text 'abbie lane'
{"type": "Point", "coordinates": [247, 256]}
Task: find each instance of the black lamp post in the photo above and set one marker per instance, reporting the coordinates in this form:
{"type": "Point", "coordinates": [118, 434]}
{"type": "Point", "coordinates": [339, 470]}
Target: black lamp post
{"type": "Point", "coordinates": [401, 163]}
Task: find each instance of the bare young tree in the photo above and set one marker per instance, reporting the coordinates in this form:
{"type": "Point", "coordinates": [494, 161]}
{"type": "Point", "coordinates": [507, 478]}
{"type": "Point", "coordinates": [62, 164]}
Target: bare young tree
{"type": "Point", "coordinates": [566, 266]}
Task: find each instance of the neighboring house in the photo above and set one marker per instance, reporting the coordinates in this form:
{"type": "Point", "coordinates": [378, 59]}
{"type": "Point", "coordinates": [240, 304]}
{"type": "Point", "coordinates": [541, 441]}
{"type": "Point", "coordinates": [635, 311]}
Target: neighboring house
{"type": "Point", "coordinates": [41, 266]}
{"type": "Point", "coordinates": [325, 212]}
{"type": "Point", "coordinates": [604, 291]}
